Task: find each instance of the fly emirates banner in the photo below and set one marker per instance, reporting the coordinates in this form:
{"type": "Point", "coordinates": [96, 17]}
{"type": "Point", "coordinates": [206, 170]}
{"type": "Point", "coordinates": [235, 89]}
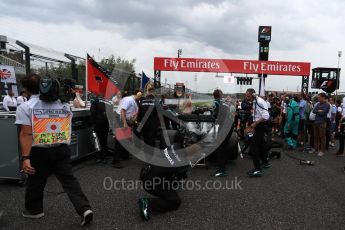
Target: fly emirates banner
{"type": "Point", "coordinates": [232, 66]}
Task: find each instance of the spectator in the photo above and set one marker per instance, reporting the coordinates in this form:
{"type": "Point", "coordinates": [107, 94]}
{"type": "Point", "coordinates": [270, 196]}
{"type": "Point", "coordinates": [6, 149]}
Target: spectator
{"type": "Point", "coordinates": [302, 107]}
{"type": "Point", "coordinates": [275, 112]}
{"type": "Point", "coordinates": [341, 129]}
{"type": "Point", "coordinates": [338, 117]}
{"type": "Point", "coordinates": [332, 121]}
{"type": "Point", "coordinates": [283, 113]}
{"type": "Point", "coordinates": [321, 109]}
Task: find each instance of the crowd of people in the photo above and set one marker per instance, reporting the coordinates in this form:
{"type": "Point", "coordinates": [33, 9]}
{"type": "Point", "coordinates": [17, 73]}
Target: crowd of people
{"type": "Point", "coordinates": [10, 102]}
{"type": "Point", "coordinates": [310, 123]}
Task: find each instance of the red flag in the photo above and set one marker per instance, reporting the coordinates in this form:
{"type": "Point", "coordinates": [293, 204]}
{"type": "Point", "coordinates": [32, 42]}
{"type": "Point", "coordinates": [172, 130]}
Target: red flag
{"type": "Point", "coordinates": [99, 81]}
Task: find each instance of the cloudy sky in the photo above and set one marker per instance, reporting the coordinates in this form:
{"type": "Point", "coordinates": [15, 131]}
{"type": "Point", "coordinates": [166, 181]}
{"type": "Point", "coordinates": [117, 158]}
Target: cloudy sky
{"type": "Point", "coordinates": [309, 31]}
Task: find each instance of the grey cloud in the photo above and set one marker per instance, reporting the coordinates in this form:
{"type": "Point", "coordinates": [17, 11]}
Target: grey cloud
{"type": "Point", "coordinates": [228, 25]}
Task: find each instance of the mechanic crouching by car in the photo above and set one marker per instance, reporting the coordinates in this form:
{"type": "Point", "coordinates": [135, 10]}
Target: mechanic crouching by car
{"type": "Point", "coordinates": [158, 180]}
{"type": "Point", "coordinates": [148, 120]}
{"type": "Point", "coordinates": [257, 131]}
{"type": "Point", "coordinates": [45, 132]}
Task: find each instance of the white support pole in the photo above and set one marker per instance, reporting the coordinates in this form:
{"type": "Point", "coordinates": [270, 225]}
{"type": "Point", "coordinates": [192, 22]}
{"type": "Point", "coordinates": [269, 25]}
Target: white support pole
{"type": "Point", "coordinates": [86, 85]}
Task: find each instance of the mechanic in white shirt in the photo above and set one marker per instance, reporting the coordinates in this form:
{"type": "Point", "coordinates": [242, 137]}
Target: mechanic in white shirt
{"type": "Point", "coordinates": [257, 133]}
{"type": "Point", "coordinates": [10, 103]}
{"type": "Point", "coordinates": [128, 109]}
{"type": "Point", "coordinates": [125, 116]}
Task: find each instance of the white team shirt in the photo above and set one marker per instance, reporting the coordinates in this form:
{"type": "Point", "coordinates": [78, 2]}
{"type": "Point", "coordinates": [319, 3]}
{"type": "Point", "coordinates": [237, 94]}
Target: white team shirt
{"type": "Point", "coordinates": [9, 102]}
{"type": "Point", "coordinates": [260, 109]}
{"type": "Point", "coordinates": [21, 100]}
{"type": "Point", "coordinates": [268, 104]}
{"type": "Point", "coordinates": [129, 105]}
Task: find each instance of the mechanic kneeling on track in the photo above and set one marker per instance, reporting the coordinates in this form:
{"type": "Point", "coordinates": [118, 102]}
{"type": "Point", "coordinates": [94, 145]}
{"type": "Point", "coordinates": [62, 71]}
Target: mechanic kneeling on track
{"type": "Point", "coordinates": [45, 132]}
{"type": "Point", "coordinates": [157, 180]}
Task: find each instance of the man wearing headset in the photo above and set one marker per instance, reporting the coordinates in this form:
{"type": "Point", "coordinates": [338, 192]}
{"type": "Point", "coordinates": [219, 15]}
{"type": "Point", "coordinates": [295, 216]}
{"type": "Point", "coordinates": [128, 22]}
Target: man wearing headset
{"type": "Point", "coordinates": [257, 129]}
{"type": "Point", "coordinates": [45, 132]}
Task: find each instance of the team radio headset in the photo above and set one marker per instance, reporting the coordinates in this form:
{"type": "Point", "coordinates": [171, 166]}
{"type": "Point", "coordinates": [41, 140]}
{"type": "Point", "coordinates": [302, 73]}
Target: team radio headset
{"type": "Point", "coordinates": [52, 125]}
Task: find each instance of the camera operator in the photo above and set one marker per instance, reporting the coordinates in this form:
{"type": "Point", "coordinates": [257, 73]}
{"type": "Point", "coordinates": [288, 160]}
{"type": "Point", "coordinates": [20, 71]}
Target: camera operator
{"type": "Point", "coordinates": [245, 116]}
{"type": "Point", "coordinates": [257, 129]}
{"type": "Point", "coordinates": [45, 132]}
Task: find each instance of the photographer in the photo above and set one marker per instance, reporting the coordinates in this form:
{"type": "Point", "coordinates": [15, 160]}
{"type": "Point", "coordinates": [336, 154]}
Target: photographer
{"type": "Point", "coordinates": [45, 132]}
{"type": "Point", "coordinates": [257, 129]}
{"type": "Point", "coordinates": [244, 116]}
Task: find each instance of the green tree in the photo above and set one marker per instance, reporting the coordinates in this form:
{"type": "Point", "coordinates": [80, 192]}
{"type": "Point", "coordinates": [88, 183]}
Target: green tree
{"type": "Point", "coordinates": [117, 63]}
{"type": "Point", "coordinates": [122, 71]}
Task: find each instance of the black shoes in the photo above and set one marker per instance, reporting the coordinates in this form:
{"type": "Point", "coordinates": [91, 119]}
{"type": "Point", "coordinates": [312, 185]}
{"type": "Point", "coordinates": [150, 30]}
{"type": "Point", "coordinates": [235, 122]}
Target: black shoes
{"type": "Point", "coordinates": [101, 161]}
{"type": "Point", "coordinates": [87, 218]}
{"type": "Point", "coordinates": [255, 173]}
{"type": "Point", "coordinates": [28, 214]}
{"type": "Point", "coordinates": [274, 154]}
{"type": "Point", "coordinates": [265, 165]}
{"type": "Point", "coordinates": [117, 165]}
{"type": "Point", "coordinates": [220, 173]}
{"type": "Point", "coordinates": [143, 208]}
{"type": "Point", "coordinates": [340, 154]}
{"type": "Point", "coordinates": [127, 158]}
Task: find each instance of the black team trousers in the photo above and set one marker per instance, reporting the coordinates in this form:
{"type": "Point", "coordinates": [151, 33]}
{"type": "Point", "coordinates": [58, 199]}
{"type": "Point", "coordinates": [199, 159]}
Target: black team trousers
{"type": "Point", "coordinates": [158, 181]}
{"type": "Point", "coordinates": [257, 147]}
{"type": "Point", "coordinates": [54, 160]}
